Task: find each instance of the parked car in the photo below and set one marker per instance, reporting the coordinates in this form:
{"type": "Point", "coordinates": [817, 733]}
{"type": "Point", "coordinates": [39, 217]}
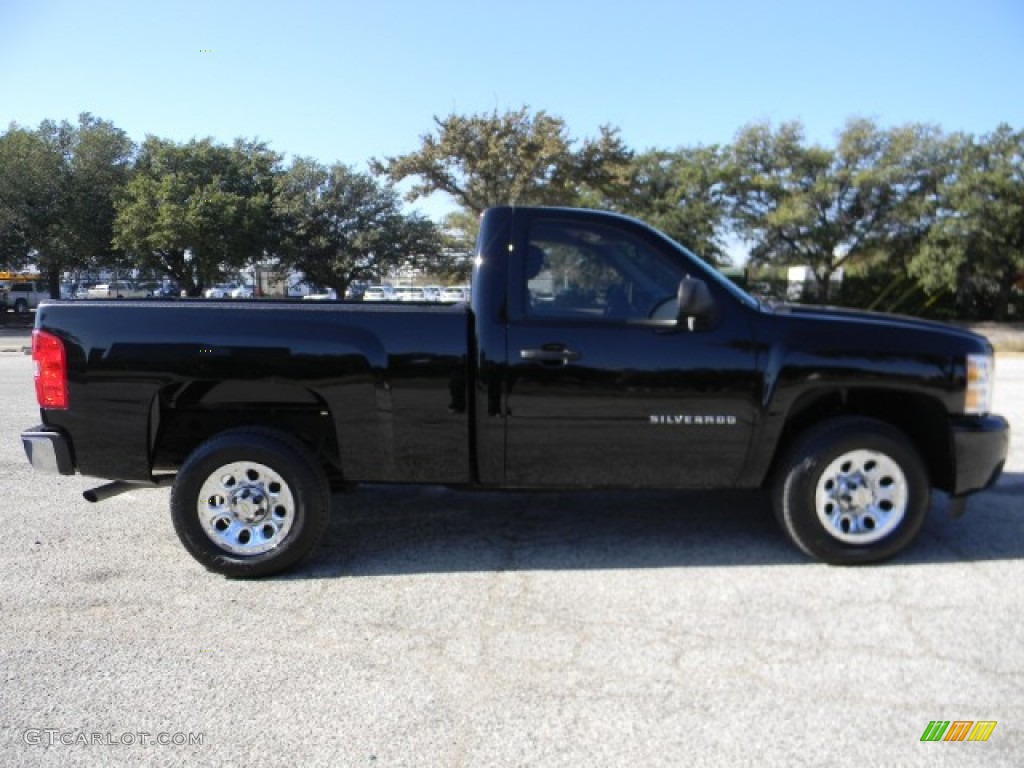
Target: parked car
{"type": "Point", "coordinates": [220, 291]}
{"type": "Point", "coordinates": [167, 291]}
{"type": "Point", "coordinates": [243, 292]}
{"type": "Point", "coordinates": [454, 293]}
{"type": "Point", "coordinates": [409, 293]}
{"type": "Point", "coordinates": [119, 289]}
{"type": "Point", "coordinates": [329, 295]}
{"type": "Point", "coordinates": [298, 289]}
{"type": "Point", "coordinates": [355, 291]}
{"type": "Point", "coordinates": [25, 295]}
{"type": "Point", "coordinates": [379, 293]}
{"type": "Point", "coordinates": [432, 292]}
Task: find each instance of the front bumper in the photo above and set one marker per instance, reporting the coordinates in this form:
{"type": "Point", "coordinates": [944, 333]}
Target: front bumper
{"type": "Point", "coordinates": [980, 445]}
{"type": "Point", "coordinates": [48, 450]}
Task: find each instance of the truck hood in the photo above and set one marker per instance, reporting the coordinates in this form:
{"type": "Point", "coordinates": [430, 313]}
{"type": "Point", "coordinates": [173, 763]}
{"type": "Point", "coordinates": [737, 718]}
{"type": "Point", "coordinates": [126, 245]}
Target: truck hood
{"type": "Point", "coordinates": [860, 316]}
{"type": "Point", "coordinates": [870, 321]}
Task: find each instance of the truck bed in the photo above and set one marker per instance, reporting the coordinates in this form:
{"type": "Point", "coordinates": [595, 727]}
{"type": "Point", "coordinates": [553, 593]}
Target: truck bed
{"type": "Point", "coordinates": [383, 385]}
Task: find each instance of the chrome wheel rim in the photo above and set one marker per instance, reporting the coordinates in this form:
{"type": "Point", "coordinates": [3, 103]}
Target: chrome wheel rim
{"type": "Point", "coordinates": [861, 497]}
{"type": "Point", "coordinates": [246, 508]}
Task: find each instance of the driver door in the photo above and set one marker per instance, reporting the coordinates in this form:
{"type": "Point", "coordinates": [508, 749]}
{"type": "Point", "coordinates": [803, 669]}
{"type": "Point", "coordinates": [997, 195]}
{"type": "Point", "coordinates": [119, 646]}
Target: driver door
{"type": "Point", "coordinates": [604, 387]}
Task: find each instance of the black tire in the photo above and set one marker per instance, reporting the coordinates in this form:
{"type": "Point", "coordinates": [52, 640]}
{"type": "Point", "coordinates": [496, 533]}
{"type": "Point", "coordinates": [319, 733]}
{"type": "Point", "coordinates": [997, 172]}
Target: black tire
{"type": "Point", "coordinates": [851, 490]}
{"type": "Point", "coordinates": [21, 307]}
{"type": "Point", "coordinates": [250, 502]}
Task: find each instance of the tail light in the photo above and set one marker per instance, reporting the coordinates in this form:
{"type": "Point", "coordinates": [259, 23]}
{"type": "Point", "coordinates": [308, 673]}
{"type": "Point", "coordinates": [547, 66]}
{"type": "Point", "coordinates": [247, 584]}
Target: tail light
{"type": "Point", "coordinates": [51, 370]}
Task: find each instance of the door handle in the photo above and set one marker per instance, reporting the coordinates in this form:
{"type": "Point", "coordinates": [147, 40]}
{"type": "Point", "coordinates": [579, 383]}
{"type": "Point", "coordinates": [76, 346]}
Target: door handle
{"type": "Point", "coordinates": [550, 353]}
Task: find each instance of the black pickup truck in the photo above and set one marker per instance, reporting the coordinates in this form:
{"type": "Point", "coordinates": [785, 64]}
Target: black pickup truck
{"type": "Point", "coordinates": [595, 352]}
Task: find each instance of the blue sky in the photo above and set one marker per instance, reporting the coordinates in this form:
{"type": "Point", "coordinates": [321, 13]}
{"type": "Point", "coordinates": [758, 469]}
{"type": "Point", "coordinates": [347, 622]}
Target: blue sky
{"type": "Point", "coordinates": [354, 79]}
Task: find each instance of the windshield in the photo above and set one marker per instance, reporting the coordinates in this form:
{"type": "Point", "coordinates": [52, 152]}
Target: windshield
{"type": "Point", "coordinates": [712, 274]}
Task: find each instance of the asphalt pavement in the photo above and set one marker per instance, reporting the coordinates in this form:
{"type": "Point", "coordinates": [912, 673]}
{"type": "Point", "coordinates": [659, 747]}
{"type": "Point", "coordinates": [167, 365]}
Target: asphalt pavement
{"type": "Point", "coordinates": [449, 628]}
{"type": "Point", "coordinates": [17, 338]}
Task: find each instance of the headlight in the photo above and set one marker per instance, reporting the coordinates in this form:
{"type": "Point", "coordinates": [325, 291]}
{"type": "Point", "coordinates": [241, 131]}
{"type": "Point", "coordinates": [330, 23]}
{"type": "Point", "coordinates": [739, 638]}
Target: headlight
{"type": "Point", "coordinates": [980, 378]}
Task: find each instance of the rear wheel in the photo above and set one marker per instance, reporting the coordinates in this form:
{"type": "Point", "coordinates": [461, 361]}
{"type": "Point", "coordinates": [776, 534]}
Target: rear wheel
{"type": "Point", "coordinates": [250, 502]}
{"type": "Point", "coordinates": [851, 490]}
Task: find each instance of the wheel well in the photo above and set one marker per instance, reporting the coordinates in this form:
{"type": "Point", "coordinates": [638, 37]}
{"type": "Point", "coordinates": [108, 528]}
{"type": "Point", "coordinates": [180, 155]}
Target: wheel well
{"type": "Point", "coordinates": [922, 419]}
{"type": "Point", "coordinates": [184, 417]}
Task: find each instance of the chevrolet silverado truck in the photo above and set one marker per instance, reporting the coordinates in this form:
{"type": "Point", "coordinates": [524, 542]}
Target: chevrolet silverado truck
{"type": "Point", "coordinates": [595, 352]}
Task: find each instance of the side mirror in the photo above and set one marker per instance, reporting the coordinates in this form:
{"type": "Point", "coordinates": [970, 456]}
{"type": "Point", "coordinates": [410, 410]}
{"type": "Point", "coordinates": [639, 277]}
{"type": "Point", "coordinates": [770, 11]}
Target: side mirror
{"type": "Point", "coordinates": [697, 308]}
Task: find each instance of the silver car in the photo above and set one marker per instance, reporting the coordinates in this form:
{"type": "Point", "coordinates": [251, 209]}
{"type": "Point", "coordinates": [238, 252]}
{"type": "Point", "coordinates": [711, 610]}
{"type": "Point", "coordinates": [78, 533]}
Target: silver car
{"type": "Point", "coordinates": [379, 293]}
{"type": "Point", "coordinates": [411, 294]}
{"type": "Point", "coordinates": [454, 293]}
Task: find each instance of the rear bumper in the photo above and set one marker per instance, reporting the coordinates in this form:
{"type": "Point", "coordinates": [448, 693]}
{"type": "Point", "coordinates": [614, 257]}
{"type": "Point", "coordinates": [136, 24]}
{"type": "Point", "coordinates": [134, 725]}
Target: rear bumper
{"type": "Point", "coordinates": [48, 450]}
{"type": "Point", "coordinates": [980, 444]}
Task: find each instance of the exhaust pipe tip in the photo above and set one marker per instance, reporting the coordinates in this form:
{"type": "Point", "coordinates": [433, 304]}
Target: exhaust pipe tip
{"type": "Point", "coordinates": [103, 492]}
{"type": "Point", "coordinates": [117, 487]}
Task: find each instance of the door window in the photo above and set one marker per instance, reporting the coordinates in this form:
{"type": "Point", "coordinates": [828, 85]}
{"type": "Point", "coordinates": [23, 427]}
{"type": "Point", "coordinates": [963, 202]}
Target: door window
{"type": "Point", "coordinates": [590, 271]}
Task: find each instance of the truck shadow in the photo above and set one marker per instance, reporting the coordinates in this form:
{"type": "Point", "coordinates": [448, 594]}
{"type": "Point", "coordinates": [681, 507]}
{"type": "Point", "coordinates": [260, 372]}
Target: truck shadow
{"type": "Point", "coordinates": [395, 530]}
{"type": "Point", "coordinates": [991, 529]}
{"type": "Point", "coordinates": [17, 321]}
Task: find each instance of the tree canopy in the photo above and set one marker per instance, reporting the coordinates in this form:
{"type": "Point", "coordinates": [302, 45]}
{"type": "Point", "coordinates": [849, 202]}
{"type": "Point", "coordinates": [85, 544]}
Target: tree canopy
{"type": "Point", "coordinates": [58, 184]}
{"type": "Point", "coordinates": [935, 212]}
{"type": "Point", "coordinates": [802, 204]}
{"type": "Point", "coordinates": [30, 195]}
{"type": "Point", "coordinates": [339, 225]}
{"type": "Point", "coordinates": [515, 158]}
{"type": "Point", "coordinates": [194, 210]}
{"type": "Point", "coordinates": [978, 232]}
{"type": "Point", "coordinates": [683, 194]}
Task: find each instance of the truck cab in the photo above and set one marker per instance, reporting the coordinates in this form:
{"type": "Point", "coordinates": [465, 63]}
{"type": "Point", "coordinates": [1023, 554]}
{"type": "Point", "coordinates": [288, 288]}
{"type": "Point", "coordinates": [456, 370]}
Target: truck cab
{"type": "Point", "coordinates": [600, 381]}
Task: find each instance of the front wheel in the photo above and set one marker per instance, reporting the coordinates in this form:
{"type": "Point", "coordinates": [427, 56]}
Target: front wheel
{"type": "Point", "coordinates": [250, 502]}
{"type": "Point", "coordinates": [851, 490]}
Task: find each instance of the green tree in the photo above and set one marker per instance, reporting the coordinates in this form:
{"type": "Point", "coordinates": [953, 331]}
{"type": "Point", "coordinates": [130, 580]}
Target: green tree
{"type": "Point", "coordinates": [31, 195]}
{"type": "Point", "coordinates": [199, 210]}
{"type": "Point", "coordinates": [97, 160]}
{"type": "Point", "coordinates": [683, 194]}
{"type": "Point", "coordinates": [458, 232]}
{"type": "Point", "coordinates": [515, 158]}
{"type": "Point", "coordinates": [59, 185]}
{"type": "Point", "coordinates": [978, 234]}
{"type": "Point", "coordinates": [339, 225]}
{"type": "Point", "coordinates": [919, 157]}
{"type": "Point", "coordinates": [813, 205]}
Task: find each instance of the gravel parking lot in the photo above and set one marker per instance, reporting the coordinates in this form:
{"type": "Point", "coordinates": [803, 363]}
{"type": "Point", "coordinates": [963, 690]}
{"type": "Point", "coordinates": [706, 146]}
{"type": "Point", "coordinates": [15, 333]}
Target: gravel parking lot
{"type": "Point", "coordinates": [445, 628]}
